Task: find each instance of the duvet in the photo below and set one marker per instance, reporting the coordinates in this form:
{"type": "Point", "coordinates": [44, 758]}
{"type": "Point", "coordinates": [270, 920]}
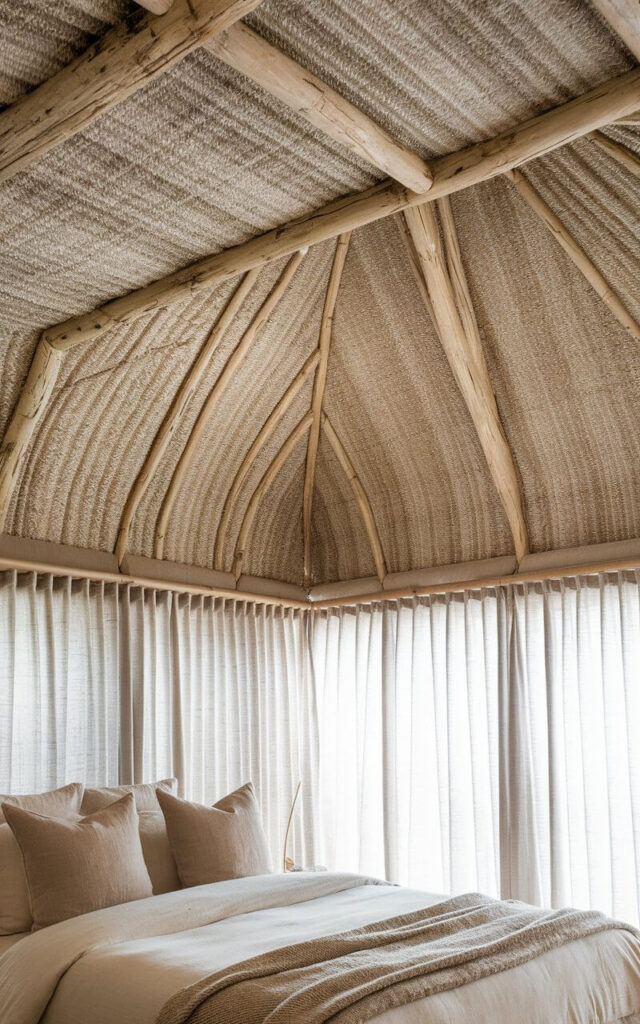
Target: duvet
{"type": "Point", "coordinates": [136, 963]}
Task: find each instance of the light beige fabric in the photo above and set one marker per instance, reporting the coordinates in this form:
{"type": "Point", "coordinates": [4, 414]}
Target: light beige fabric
{"type": "Point", "coordinates": [15, 912]}
{"type": "Point", "coordinates": [7, 941]}
{"type": "Point", "coordinates": [123, 964]}
{"type": "Point", "coordinates": [144, 794]}
{"type": "Point", "coordinates": [56, 803]}
{"type": "Point", "coordinates": [213, 844]}
{"type": "Point", "coordinates": [153, 831]}
{"type": "Point", "coordinates": [74, 867]}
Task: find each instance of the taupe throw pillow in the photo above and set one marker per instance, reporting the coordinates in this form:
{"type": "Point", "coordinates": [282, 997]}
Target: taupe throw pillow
{"type": "Point", "coordinates": [15, 912]}
{"type": "Point", "coordinates": [57, 803]}
{"type": "Point", "coordinates": [153, 831]}
{"type": "Point", "coordinates": [144, 794]}
{"type": "Point", "coordinates": [74, 867]}
{"type": "Point", "coordinates": [213, 844]}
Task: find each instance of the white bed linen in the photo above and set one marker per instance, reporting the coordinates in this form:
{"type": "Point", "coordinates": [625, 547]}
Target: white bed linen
{"type": "Point", "coordinates": [119, 966]}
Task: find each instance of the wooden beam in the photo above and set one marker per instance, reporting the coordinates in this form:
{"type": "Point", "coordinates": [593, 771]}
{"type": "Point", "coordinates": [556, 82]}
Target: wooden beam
{"type": "Point", "coordinates": [317, 399]}
{"type": "Point", "coordinates": [319, 104]}
{"type": "Point", "coordinates": [575, 253]}
{"type": "Point", "coordinates": [360, 495]}
{"type": "Point", "coordinates": [127, 58]}
{"type": "Point", "coordinates": [631, 120]}
{"type": "Point", "coordinates": [27, 414]}
{"type": "Point", "coordinates": [233, 362]}
{"type": "Point", "coordinates": [624, 18]}
{"type": "Point", "coordinates": [270, 424]}
{"type": "Point", "coordinates": [459, 586]}
{"type": "Point", "coordinates": [267, 479]}
{"type": "Point", "coordinates": [622, 154]}
{"type": "Point", "coordinates": [451, 173]}
{"type": "Point", "coordinates": [178, 408]}
{"type": "Point", "coordinates": [447, 286]}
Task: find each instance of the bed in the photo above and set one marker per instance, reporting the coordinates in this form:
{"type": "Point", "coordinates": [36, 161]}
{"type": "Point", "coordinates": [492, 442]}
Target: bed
{"type": "Point", "coordinates": [131, 964]}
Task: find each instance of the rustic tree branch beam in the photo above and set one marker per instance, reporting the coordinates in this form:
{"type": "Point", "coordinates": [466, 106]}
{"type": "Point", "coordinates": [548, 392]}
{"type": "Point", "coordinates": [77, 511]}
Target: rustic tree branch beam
{"type": "Point", "coordinates": [622, 154]}
{"type": "Point", "coordinates": [317, 399]}
{"type": "Point", "coordinates": [466, 357]}
{"type": "Point", "coordinates": [267, 479]}
{"type": "Point", "coordinates": [123, 61]}
{"type": "Point", "coordinates": [624, 18]}
{"type": "Point", "coordinates": [575, 253]}
{"type": "Point", "coordinates": [270, 424]}
{"type": "Point", "coordinates": [178, 408]}
{"type": "Point", "coordinates": [527, 141]}
{"type": "Point", "coordinates": [155, 6]}
{"type": "Point", "coordinates": [360, 494]}
{"type": "Point", "coordinates": [33, 401]}
{"type": "Point", "coordinates": [319, 104]}
{"type": "Point", "coordinates": [231, 366]}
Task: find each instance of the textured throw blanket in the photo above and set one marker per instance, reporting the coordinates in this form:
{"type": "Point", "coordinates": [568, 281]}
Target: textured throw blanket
{"type": "Point", "coordinates": [359, 974]}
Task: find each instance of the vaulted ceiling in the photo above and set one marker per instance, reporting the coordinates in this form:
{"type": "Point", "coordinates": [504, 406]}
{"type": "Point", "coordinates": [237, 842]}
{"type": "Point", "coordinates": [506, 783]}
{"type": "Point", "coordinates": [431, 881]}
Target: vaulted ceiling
{"type": "Point", "coordinates": [202, 159]}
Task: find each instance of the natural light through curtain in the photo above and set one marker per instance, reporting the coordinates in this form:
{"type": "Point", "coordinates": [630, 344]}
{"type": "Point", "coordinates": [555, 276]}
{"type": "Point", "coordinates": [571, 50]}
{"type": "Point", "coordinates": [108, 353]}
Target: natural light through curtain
{"type": "Point", "coordinates": [487, 740]}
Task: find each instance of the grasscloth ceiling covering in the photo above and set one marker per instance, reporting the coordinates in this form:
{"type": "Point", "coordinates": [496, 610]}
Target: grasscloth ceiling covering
{"type": "Point", "coordinates": [202, 159]}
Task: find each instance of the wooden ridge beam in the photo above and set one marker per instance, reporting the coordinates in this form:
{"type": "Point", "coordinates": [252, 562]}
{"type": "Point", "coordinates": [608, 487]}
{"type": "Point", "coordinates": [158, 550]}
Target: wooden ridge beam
{"type": "Point", "coordinates": [532, 139]}
{"type": "Point", "coordinates": [621, 153]}
{"type": "Point", "coordinates": [575, 253]}
{"type": "Point", "coordinates": [178, 408]}
{"type": "Point", "coordinates": [360, 494]}
{"type": "Point", "coordinates": [155, 6]}
{"type": "Point", "coordinates": [270, 424]}
{"type": "Point", "coordinates": [317, 399]}
{"type": "Point", "coordinates": [267, 479]}
{"type": "Point", "coordinates": [624, 18]}
{"type": "Point", "coordinates": [458, 332]}
{"type": "Point", "coordinates": [324, 108]}
{"type": "Point", "coordinates": [127, 58]}
{"type": "Point", "coordinates": [233, 362]}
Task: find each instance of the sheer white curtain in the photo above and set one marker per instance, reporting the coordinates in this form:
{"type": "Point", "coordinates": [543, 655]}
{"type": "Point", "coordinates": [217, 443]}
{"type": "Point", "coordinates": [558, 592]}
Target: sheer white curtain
{"type": "Point", "coordinates": [488, 740]}
{"type": "Point", "coordinates": [59, 695]}
{"type": "Point", "coordinates": [213, 692]}
{"type": "Point", "coordinates": [408, 711]}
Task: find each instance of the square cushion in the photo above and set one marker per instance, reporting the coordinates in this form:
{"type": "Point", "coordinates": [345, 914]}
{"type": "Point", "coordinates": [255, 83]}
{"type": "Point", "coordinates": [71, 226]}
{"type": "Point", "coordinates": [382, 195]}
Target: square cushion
{"type": "Point", "coordinates": [213, 844]}
{"type": "Point", "coordinates": [153, 831]}
{"type": "Point", "coordinates": [144, 794]}
{"type": "Point", "coordinates": [15, 912]}
{"type": "Point", "coordinates": [76, 866]}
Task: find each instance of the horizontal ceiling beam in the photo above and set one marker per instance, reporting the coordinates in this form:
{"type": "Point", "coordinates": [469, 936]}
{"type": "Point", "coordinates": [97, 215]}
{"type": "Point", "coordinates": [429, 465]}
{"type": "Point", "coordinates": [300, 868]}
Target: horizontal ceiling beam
{"type": "Point", "coordinates": [116, 66]}
{"type": "Point", "coordinates": [243, 49]}
{"type": "Point", "coordinates": [534, 138]}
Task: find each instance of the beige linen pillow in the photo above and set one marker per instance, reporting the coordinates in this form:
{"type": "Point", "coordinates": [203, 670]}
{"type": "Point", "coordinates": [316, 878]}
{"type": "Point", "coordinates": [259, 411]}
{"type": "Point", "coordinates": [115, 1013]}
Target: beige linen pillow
{"type": "Point", "coordinates": [74, 867]}
{"type": "Point", "coordinates": [153, 831]}
{"type": "Point", "coordinates": [212, 844]}
{"type": "Point", "coordinates": [15, 912]}
{"type": "Point", "coordinates": [144, 794]}
{"type": "Point", "coordinates": [56, 803]}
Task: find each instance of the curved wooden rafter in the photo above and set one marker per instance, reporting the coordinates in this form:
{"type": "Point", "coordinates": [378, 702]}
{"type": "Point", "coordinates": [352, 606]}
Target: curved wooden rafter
{"type": "Point", "coordinates": [178, 407]}
{"type": "Point", "coordinates": [575, 253]}
{"type": "Point", "coordinates": [317, 399]}
{"type": "Point", "coordinates": [270, 424]}
{"type": "Point", "coordinates": [235, 359]}
{"type": "Point", "coordinates": [360, 495]}
{"type": "Point", "coordinates": [267, 479]}
{"type": "Point", "coordinates": [458, 332]}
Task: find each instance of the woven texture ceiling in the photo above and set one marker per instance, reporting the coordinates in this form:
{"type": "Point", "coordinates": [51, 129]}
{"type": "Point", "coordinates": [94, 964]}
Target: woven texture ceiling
{"type": "Point", "coordinates": [202, 159]}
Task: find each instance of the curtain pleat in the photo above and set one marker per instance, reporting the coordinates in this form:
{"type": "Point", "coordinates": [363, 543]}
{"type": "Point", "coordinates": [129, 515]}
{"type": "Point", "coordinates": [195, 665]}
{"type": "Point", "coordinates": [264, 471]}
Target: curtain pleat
{"type": "Point", "coordinates": [487, 740]}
